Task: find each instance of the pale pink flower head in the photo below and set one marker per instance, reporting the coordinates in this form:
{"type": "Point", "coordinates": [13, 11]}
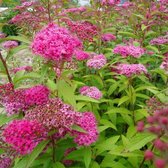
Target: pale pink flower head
{"type": "Point", "coordinates": [88, 123]}
{"type": "Point", "coordinates": [2, 35]}
{"type": "Point", "coordinates": [130, 69]}
{"type": "Point", "coordinates": [37, 95]}
{"type": "Point", "coordinates": [23, 68]}
{"type": "Point", "coordinates": [81, 55]}
{"type": "Point", "coordinates": [5, 162]}
{"type": "Point", "coordinates": [92, 92]}
{"type": "Point", "coordinates": [24, 135]}
{"type": "Point", "coordinates": [108, 37]}
{"type": "Point", "coordinates": [159, 40]}
{"type": "Point", "coordinates": [75, 10]}
{"type": "Point", "coordinates": [130, 50]}
{"type": "Point", "coordinates": [110, 2]}
{"type": "Point", "coordinates": [10, 44]}
{"type": "Point", "coordinates": [97, 62]}
{"type": "Point", "coordinates": [55, 43]}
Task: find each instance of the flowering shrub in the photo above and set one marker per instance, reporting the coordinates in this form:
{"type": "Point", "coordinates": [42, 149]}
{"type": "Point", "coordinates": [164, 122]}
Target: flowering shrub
{"type": "Point", "coordinates": [85, 86]}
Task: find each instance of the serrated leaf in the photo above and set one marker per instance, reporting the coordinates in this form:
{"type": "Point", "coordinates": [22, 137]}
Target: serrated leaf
{"type": "Point", "coordinates": [78, 128]}
{"type": "Point", "coordinates": [85, 98]}
{"type": "Point", "coordinates": [118, 110]}
{"type": "Point", "coordinates": [87, 156]}
{"type": "Point", "coordinates": [58, 165]}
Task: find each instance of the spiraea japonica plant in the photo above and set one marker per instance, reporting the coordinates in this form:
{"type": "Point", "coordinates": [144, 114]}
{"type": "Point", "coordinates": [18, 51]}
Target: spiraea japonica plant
{"type": "Point", "coordinates": [85, 86]}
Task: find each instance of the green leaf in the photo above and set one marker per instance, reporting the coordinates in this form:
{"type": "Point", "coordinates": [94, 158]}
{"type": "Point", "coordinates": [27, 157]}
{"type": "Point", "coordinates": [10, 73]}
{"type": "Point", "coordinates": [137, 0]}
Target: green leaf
{"type": "Point", "coordinates": [128, 34]}
{"type": "Point", "coordinates": [85, 98]}
{"type": "Point", "coordinates": [78, 128]}
{"type": "Point", "coordinates": [87, 156]}
{"type": "Point", "coordinates": [67, 92]}
{"type": "Point", "coordinates": [58, 165]}
{"type": "Point", "coordinates": [118, 110]}
{"type": "Point", "coordinates": [95, 165]}
{"type": "Point", "coordinates": [18, 38]}
{"type": "Point", "coordinates": [153, 48]}
{"type": "Point", "coordinates": [139, 140]}
{"type": "Point", "coordinates": [29, 159]}
{"type": "Point", "coordinates": [5, 119]}
{"type": "Point", "coordinates": [123, 100]}
{"type": "Point", "coordinates": [51, 85]}
{"type": "Point", "coordinates": [108, 123]}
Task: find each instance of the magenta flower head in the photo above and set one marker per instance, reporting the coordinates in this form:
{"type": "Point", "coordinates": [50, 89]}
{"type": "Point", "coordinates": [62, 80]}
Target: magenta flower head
{"type": "Point", "coordinates": [37, 95]}
{"type": "Point", "coordinates": [110, 2]}
{"type": "Point", "coordinates": [81, 55]}
{"type": "Point", "coordinates": [9, 44]}
{"type": "Point", "coordinates": [92, 92]}
{"type": "Point", "coordinates": [89, 124]}
{"type": "Point", "coordinates": [108, 37]}
{"type": "Point", "coordinates": [24, 135]}
{"type": "Point", "coordinates": [97, 62]}
{"type": "Point", "coordinates": [55, 43]}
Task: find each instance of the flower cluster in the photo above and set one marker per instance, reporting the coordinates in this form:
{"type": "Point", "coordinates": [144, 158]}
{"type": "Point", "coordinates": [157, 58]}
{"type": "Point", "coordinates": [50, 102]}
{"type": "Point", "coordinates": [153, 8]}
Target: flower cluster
{"type": "Point", "coordinates": [23, 68]}
{"type": "Point", "coordinates": [130, 50]}
{"type": "Point", "coordinates": [164, 64]}
{"type": "Point", "coordinates": [24, 5]}
{"type": "Point", "coordinates": [24, 135]}
{"type": "Point", "coordinates": [37, 95]}
{"type": "Point", "coordinates": [110, 2]}
{"type": "Point", "coordinates": [130, 69]}
{"type": "Point", "coordinates": [157, 124]}
{"type": "Point", "coordinates": [97, 62]}
{"type": "Point", "coordinates": [160, 40]}
{"type": "Point", "coordinates": [74, 10]}
{"type": "Point", "coordinates": [9, 44]}
{"type": "Point", "coordinates": [88, 123]}
{"type": "Point", "coordinates": [81, 55]}
{"type": "Point", "coordinates": [108, 37]}
{"type": "Point", "coordinates": [5, 162]}
{"type": "Point", "coordinates": [85, 30]}
{"type": "Point", "coordinates": [55, 43]}
{"type": "Point", "coordinates": [92, 92]}
{"type": "Point", "coordinates": [54, 114]}
{"type": "Point", "coordinates": [2, 35]}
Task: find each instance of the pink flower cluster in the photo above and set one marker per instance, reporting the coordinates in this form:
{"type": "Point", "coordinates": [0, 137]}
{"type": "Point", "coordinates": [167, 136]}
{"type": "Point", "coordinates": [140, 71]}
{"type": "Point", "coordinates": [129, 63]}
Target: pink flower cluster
{"type": "Point", "coordinates": [2, 35]}
{"type": "Point", "coordinates": [23, 68]}
{"type": "Point", "coordinates": [75, 10]}
{"type": "Point", "coordinates": [9, 44]}
{"type": "Point", "coordinates": [92, 92]}
{"type": "Point", "coordinates": [24, 135]}
{"type": "Point", "coordinates": [37, 95]}
{"type": "Point", "coordinates": [130, 69]}
{"type": "Point", "coordinates": [55, 43]}
{"type": "Point", "coordinates": [157, 124]}
{"type": "Point", "coordinates": [54, 114]}
{"type": "Point", "coordinates": [110, 2]}
{"type": "Point", "coordinates": [160, 40]}
{"type": "Point", "coordinates": [130, 50]}
{"type": "Point", "coordinates": [81, 55]}
{"type": "Point", "coordinates": [108, 37]}
{"type": "Point", "coordinates": [5, 162]}
{"type": "Point", "coordinates": [89, 124]}
{"type": "Point", "coordinates": [19, 100]}
{"type": "Point", "coordinates": [84, 30]}
{"type": "Point", "coordinates": [24, 5]}
{"type": "Point", "coordinates": [97, 62]}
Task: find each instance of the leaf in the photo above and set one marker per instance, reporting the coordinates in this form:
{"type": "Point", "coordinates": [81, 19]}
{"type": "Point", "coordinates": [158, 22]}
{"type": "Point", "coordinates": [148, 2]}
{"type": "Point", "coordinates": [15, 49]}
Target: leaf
{"type": "Point", "coordinates": [58, 165]}
{"type": "Point", "coordinates": [118, 110]}
{"type": "Point", "coordinates": [51, 85]}
{"type": "Point", "coordinates": [78, 128]}
{"type": "Point", "coordinates": [28, 159]}
{"type": "Point", "coordinates": [112, 88]}
{"type": "Point", "coordinates": [95, 165]}
{"type": "Point", "coordinates": [107, 123]}
{"type": "Point", "coordinates": [153, 48]}
{"type": "Point", "coordinates": [123, 100]}
{"type": "Point", "coordinates": [5, 119]}
{"type": "Point", "coordinates": [139, 140]}
{"type": "Point", "coordinates": [18, 38]}
{"type": "Point", "coordinates": [66, 91]}
{"type": "Point", "coordinates": [85, 98]}
{"type": "Point", "coordinates": [128, 34]}
{"type": "Point", "coordinates": [143, 27]}
{"type": "Point", "coordinates": [87, 156]}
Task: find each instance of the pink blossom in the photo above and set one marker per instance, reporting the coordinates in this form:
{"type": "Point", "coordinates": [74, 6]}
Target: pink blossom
{"type": "Point", "coordinates": [108, 37]}
{"type": "Point", "coordinates": [92, 92]}
{"type": "Point", "coordinates": [81, 55]}
{"type": "Point", "coordinates": [24, 135]}
{"type": "Point", "coordinates": [23, 68]}
{"type": "Point", "coordinates": [5, 162]}
{"type": "Point", "coordinates": [24, 5]}
{"type": "Point", "coordinates": [55, 43]}
{"type": "Point", "coordinates": [9, 44]}
{"type": "Point", "coordinates": [37, 95]}
{"type": "Point", "coordinates": [75, 10]}
{"type": "Point", "coordinates": [159, 40]}
{"type": "Point", "coordinates": [89, 124]}
{"type": "Point", "coordinates": [110, 2]}
{"type": "Point", "coordinates": [130, 50]}
{"type": "Point", "coordinates": [130, 69]}
{"type": "Point", "coordinates": [97, 62]}
{"type": "Point", "coordinates": [2, 35]}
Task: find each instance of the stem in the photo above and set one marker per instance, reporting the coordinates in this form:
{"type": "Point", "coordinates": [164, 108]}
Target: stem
{"type": "Point", "coordinates": [48, 10]}
{"type": "Point", "coordinates": [6, 68]}
{"type": "Point", "coordinates": [53, 145]}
